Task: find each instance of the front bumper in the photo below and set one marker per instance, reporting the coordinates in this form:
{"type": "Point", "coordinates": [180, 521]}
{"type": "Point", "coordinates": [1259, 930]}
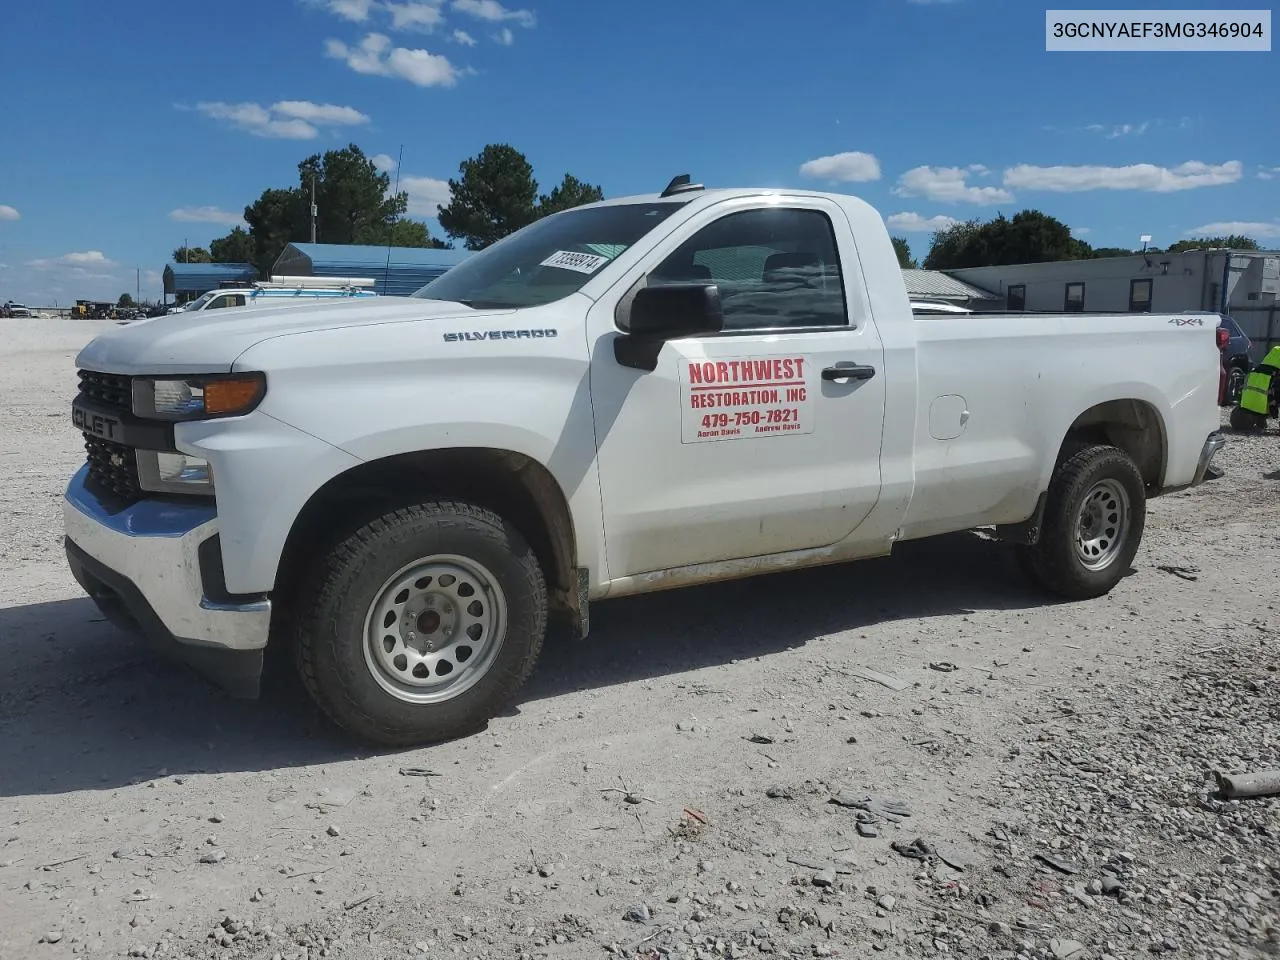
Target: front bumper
{"type": "Point", "coordinates": [145, 568]}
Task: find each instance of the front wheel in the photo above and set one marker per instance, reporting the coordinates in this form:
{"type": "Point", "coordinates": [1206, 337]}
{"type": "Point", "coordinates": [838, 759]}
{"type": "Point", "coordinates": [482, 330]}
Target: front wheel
{"type": "Point", "coordinates": [423, 624]}
{"type": "Point", "coordinates": [1093, 524]}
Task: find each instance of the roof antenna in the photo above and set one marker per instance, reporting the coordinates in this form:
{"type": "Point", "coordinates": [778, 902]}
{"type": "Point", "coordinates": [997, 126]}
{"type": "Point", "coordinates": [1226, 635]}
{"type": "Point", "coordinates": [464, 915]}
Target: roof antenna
{"type": "Point", "coordinates": [386, 275]}
{"type": "Point", "coordinates": [1145, 239]}
{"type": "Point", "coordinates": [681, 184]}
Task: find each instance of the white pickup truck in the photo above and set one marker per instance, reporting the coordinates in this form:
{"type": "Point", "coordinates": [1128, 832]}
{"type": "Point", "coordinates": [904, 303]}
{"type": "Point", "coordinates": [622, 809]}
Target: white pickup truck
{"type": "Point", "coordinates": [279, 291]}
{"type": "Point", "coordinates": [633, 395]}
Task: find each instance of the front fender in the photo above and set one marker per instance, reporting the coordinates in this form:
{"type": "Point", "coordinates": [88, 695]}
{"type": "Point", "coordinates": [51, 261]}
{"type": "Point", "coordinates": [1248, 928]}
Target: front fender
{"type": "Point", "coordinates": [399, 392]}
{"type": "Point", "coordinates": [264, 473]}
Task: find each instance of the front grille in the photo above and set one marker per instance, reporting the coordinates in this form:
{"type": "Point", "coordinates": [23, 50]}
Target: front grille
{"type": "Point", "coordinates": [107, 389]}
{"type": "Point", "coordinates": [113, 467]}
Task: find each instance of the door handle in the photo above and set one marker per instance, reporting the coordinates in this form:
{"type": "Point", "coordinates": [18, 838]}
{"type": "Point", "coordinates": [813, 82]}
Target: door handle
{"type": "Point", "coordinates": [849, 371]}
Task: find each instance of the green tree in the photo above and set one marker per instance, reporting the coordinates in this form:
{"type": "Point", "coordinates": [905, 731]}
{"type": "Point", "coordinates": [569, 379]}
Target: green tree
{"type": "Point", "coordinates": [185, 254]}
{"type": "Point", "coordinates": [494, 195]}
{"type": "Point", "coordinates": [235, 247]}
{"type": "Point", "coordinates": [1099, 252]}
{"type": "Point", "coordinates": [354, 205]}
{"type": "Point", "coordinates": [353, 196]}
{"type": "Point", "coordinates": [1030, 236]}
{"type": "Point", "coordinates": [1232, 242]}
{"type": "Point", "coordinates": [903, 250]}
{"type": "Point", "coordinates": [405, 233]}
{"type": "Point", "coordinates": [126, 300]}
{"type": "Point", "coordinates": [571, 192]}
{"type": "Point", "coordinates": [276, 219]}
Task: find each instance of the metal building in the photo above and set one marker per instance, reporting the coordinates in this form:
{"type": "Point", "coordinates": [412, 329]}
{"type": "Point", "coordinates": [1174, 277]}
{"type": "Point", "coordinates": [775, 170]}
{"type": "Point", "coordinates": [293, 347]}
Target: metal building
{"type": "Point", "coordinates": [186, 281]}
{"type": "Point", "coordinates": [396, 271]}
{"type": "Point", "coordinates": [1242, 283]}
{"type": "Point", "coordinates": [935, 285]}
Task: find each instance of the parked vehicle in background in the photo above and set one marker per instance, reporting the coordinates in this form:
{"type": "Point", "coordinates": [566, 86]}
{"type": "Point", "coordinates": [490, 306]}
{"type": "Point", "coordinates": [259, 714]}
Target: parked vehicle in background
{"type": "Point", "coordinates": [278, 291]}
{"type": "Point", "coordinates": [94, 310]}
{"type": "Point", "coordinates": [1234, 346]}
{"type": "Point", "coordinates": [628, 396]}
{"type": "Point", "coordinates": [12, 309]}
{"type": "Point", "coordinates": [1260, 396]}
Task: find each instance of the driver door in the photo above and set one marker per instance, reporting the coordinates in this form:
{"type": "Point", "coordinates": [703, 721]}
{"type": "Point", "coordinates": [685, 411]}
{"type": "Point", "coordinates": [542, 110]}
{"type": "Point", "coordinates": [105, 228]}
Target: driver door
{"type": "Point", "coordinates": [741, 443]}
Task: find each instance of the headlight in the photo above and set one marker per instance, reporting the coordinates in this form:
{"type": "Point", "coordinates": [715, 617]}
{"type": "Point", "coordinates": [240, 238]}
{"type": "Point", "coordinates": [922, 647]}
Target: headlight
{"type": "Point", "coordinates": [173, 473]}
{"type": "Point", "coordinates": [198, 398]}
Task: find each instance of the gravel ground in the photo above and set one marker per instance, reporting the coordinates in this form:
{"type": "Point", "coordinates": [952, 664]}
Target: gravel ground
{"type": "Point", "coordinates": [706, 776]}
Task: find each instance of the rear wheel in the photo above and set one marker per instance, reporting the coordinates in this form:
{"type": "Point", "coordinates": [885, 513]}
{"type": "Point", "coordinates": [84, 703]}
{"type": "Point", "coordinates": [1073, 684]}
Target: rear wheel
{"type": "Point", "coordinates": [423, 624]}
{"type": "Point", "coordinates": [1093, 524]}
{"type": "Point", "coordinates": [1246, 421]}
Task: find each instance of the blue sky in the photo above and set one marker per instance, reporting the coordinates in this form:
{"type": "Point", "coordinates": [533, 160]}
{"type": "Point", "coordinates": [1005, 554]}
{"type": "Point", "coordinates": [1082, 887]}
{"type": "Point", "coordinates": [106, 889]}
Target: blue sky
{"type": "Point", "coordinates": [140, 124]}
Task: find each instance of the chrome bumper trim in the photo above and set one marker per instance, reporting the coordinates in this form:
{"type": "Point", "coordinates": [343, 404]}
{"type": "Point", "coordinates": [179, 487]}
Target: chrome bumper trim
{"type": "Point", "coordinates": [1212, 445]}
{"type": "Point", "coordinates": [154, 545]}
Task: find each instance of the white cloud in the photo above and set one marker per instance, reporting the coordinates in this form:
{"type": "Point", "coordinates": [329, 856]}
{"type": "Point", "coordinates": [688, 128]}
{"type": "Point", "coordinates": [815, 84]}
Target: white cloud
{"type": "Point", "coordinates": [420, 17]}
{"type": "Point", "coordinates": [1081, 231]}
{"type": "Point", "coordinates": [1138, 176]}
{"type": "Point", "coordinates": [914, 223]}
{"type": "Point", "coordinates": [947, 185]}
{"type": "Point", "coordinates": [384, 162]}
{"type": "Point", "coordinates": [1266, 173]}
{"type": "Point", "coordinates": [89, 258]}
{"type": "Point", "coordinates": [426, 194]}
{"type": "Point", "coordinates": [1118, 130]}
{"type": "Point", "coordinates": [464, 38]}
{"type": "Point", "coordinates": [494, 12]}
{"type": "Point", "coordinates": [283, 120]}
{"type": "Point", "coordinates": [1255, 229]}
{"type": "Point", "coordinates": [323, 113]}
{"type": "Point", "coordinates": [9, 213]}
{"type": "Point", "coordinates": [257, 120]}
{"type": "Point", "coordinates": [850, 167]}
{"type": "Point", "coordinates": [1127, 129]}
{"type": "Point", "coordinates": [206, 215]}
{"type": "Point", "coordinates": [377, 57]}
{"type": "Point", "coordinates": [357, 11]}
{"type": "Point", "coordinates": [505, 37]}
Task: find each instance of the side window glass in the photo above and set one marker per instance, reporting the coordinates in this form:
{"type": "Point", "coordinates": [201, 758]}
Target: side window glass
{"type": "Point", "coordinates": [217, 303]}
{"type": "Point", "coordinates": [238, 299]}
{"type": "Point", "coordinates": [775, 268]}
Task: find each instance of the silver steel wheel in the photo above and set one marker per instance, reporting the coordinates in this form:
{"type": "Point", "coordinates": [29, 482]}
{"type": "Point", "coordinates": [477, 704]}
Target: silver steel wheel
{"type": "Point", "coordinates": [1102, 525]}
{"type": "Point", "coordinates": [434, 629]}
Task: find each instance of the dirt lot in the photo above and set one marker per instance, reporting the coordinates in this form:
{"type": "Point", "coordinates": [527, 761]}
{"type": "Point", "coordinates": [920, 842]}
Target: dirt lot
{"type": "Point", "coordinates": [666, 787]}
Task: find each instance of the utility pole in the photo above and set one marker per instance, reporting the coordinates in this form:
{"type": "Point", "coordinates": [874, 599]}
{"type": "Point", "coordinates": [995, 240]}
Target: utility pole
{"type": "Point", "coordinates": [137, 271]}
{"type": "Point", "coordinates": [313, 208]}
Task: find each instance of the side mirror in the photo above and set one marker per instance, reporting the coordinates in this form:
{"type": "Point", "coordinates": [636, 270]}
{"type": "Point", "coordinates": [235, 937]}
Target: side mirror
{"type": "Point", "coordinates": [665, 312]}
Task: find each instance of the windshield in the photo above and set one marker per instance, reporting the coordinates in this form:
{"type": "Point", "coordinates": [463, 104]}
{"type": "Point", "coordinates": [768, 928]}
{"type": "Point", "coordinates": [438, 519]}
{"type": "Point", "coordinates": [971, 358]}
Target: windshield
{"type": "Point", "coordinates": [549, 259]}
{"type": "Point", "coordinates": [197, 304]}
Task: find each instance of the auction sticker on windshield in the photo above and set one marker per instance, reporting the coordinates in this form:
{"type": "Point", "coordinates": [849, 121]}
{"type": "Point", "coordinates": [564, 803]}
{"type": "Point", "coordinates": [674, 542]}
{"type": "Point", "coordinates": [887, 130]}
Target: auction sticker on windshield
{"type": "Point", "coordinates": [745, 398]}
{"type": "Point", "coordinates": [581, 262]}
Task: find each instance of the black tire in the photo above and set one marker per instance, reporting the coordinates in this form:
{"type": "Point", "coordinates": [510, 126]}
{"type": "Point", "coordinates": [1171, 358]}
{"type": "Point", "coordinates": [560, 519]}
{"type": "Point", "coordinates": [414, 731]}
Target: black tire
{"type": "Point", "coordinates": [1054, 562]}
{"type": "Point", "coordinates": [330, 629]}
{"type": "Point", "coordinates": [1246, 421]}
{"type": "Point", "coordinates": [1235, 384]}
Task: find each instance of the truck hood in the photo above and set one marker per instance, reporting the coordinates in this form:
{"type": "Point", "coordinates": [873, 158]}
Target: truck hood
{"type": "Point", "coordinates": [210, 340]}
